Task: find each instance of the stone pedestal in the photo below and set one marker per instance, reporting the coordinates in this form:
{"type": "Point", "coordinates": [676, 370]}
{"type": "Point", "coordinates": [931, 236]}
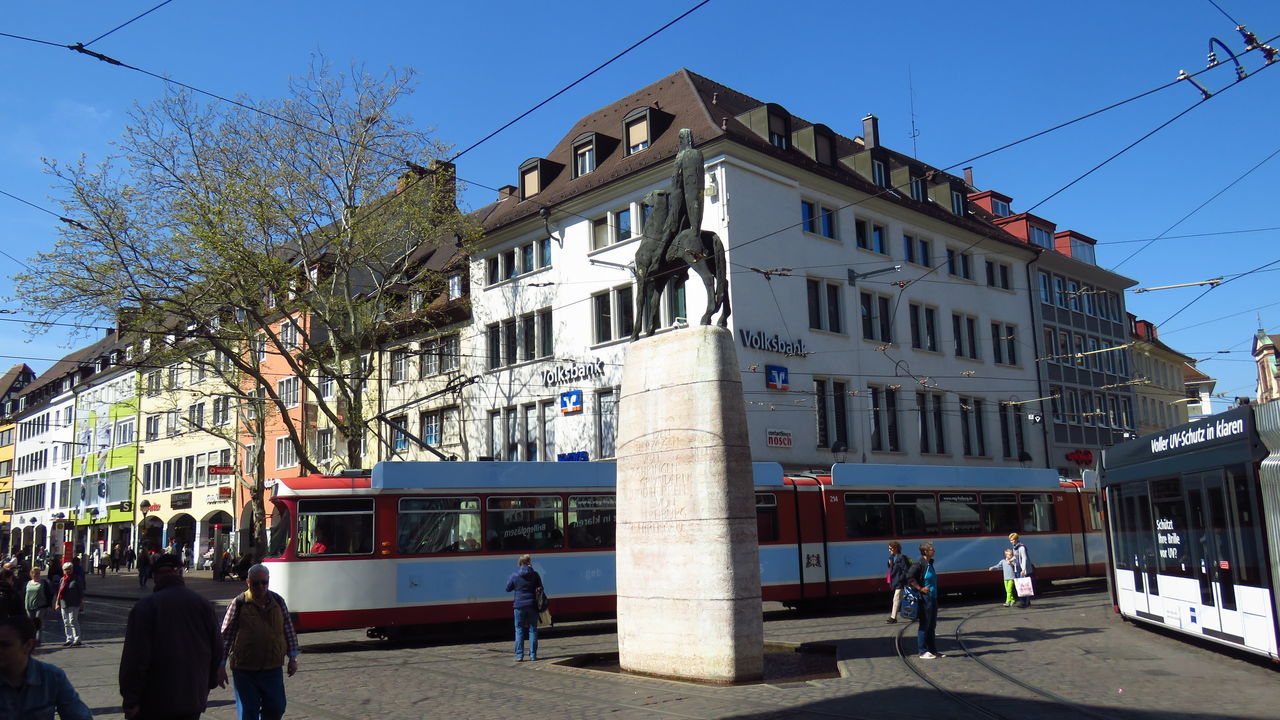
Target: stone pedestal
{"type": "Point", "coordinates": [688, 571]}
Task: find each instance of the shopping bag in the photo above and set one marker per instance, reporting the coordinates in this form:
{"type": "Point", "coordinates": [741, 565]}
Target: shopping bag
{"type": "Point", "coordinates": [1023, 586]}
{"type": "Point", "coordinates": [909, 609]}
{"type": "Point", "coordinates": [544, 618]}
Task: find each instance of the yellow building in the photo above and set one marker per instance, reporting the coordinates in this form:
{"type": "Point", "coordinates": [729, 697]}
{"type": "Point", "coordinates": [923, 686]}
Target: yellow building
{"type": "Point", "coordinates": [16, 378]}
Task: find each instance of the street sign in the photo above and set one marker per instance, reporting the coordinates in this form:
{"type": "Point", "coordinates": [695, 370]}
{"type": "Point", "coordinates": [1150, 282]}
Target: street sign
{"type": "Point", "coordinates": [221, 470]}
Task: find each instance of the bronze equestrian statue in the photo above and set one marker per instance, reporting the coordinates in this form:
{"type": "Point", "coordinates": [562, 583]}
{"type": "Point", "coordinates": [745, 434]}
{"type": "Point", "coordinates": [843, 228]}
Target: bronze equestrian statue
{"type": "Point", "coordinates": [674, 241]}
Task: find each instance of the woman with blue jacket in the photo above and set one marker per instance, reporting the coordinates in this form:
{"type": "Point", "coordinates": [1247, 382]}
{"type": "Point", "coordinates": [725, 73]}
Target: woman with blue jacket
{"type": "Point", "coordinates": [526, 584]}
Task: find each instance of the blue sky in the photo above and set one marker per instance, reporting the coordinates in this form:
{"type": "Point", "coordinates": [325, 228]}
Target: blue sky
{"type": "Point", "coordinates": [980, 75]}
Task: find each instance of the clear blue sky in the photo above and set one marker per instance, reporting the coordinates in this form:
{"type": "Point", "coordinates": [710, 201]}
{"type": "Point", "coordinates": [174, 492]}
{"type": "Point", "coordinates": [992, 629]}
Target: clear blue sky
{"type": "Point", "coordinates": [983, 74]}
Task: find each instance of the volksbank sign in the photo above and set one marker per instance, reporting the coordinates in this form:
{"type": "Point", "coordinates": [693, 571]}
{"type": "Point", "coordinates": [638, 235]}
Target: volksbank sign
{"type": "Point", "coordinates": [573, 373]}
{"type": "Point", "coordinates": [757, 340]}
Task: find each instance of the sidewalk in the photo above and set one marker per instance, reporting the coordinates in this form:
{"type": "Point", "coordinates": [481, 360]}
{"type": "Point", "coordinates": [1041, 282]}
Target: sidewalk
{"type": "Point", "coordinates": [124, 586]}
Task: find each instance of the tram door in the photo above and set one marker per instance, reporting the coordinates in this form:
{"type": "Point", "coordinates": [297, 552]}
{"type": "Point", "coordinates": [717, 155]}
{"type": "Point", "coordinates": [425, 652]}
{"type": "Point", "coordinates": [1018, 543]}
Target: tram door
{"type": "Point", "coordinates": [1138, 538]}
{"type": "Point", "coordinates": [1212, 556]}
{"type": "Point", "coordinates": [812, 541]}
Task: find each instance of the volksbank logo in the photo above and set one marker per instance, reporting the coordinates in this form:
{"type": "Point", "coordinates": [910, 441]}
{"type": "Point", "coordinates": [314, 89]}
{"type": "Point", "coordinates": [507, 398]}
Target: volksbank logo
{"type": "Point", "coordinates": [771, 343]}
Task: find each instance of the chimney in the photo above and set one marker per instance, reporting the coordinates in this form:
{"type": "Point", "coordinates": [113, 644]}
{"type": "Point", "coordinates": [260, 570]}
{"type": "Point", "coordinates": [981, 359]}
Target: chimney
{"type": "Point", "coordinates": [968, 176]}
{"type": "Point", "coordinates": [444, 186]}
{"type": "Point", "coordinates": [871, 131]}
{"type": "Point", "coordinates": [505, 192]}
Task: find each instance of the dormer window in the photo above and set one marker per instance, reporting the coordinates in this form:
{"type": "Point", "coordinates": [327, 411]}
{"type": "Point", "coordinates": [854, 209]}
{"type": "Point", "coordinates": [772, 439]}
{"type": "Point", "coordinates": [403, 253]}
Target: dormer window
{"type": "Point", "coordinates": [530, 180]}
{"type": "Point", "coordinates": [879, 174]}
{"type": "Point", "coordinates": [1041, 237]}
{"type": "Point", "coordinates": [636, 130]}
{"type": "Point", "coordinates": [957, 202]}
{"type": "Point", "coordinates": [455, 286]}
{"type": "Point", "coordinates": [824, 149]}
{"type": "Point", "coordinates": [584, 154]}
{"type": "Point", "coordinates": [917, 188]}
{"type": "Point", "coordinates": [1000, 208]}
{"type": "Point", "coordinates": [779, 129]}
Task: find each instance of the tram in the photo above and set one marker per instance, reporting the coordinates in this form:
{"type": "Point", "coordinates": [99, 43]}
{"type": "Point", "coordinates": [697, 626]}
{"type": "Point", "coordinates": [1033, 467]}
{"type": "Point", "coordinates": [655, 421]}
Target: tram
{"type": "Point", "coordinates": [1193, 527]}
{"type": "Point", "coordinates": [426, 543]}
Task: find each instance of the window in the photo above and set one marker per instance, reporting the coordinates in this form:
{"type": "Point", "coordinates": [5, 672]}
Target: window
{"type": "Point", "coordinates": [915, 514]}
{"type": "Point", "coordinates": [924, 327]}
{"type": "Point", "coordinates": [972, 430]}
{"type": "Point", "coordinates": [879, 239]}
{"type": "Point", "coordinates": [766, 517]}
{"type": "Point", "coordinates": [511, 341]}
{"type": "Point", "coordinates": [454, 290]}
{"type": "Point", "coordinates": [1012, 441]}
{"type": "Point", "coordinates": [958, 264]}
{"type": "Point", "coordinates": [957, 203]}
{"type": "Point", "coordinates": [175, 377]}
{"type": "Point", "coordinates": [1004, 344]}
{"type": "Point", "coordinates": [448, 346]}
{"type": "Point", "coordinates": [877, 320]}
{"type": "Point", "coordinates": [1037, 512]}
{"type": "Point", "coordinates": [606, 424]}
{"type": "Point", "coordinates": [153, 382]}
{"type": "Point", "coordinates": [335, 526]}
{"type": "Point", "coordinates": [289, 390]}
{"type": "Point", "coordinates": [1041, 237]}
{"type": "Point", "coordinates": [959, 513]}
{"type": "Point", "coordinates": [964, 330]}
{"type": "Point", "coordinates": [438, 525]}
{"type": "Point", "coordinates": [250, 459]}
{"type": "Point", "coordinates": [584, 157]}
{"type": "Point", "coordinates": [817, 219]}
{"type": "Point", "coordinates": [6, 468]}
{"type": "Point", "coordinates": [807, 219]}
{"type": "Point", "coordinates": [614, 314]}
{"type": "Point", "coordinates": [286, 453]}
{"type": "Point", "coordinates": [593, 521]}
{"type": "Point", "coordinates": [1000, 208]}
{"type": "Point", "coordinates": [917, 188]}
{"type": "Point", "coordinates": [153, 427]}
{"type": "Point", "coordinates": [288, 335]}
{"type": "Point", "coordinates": [867, 515]}
{"type": "Point", "coordinates": [171, 425]}
{"type": "Point", "coordinates": [636, 131]}
{"type": "Point", "coordinates": [524, 523]}
{"type": "Point", "coordinates": [1073, 290]}
{"type": "Point", "coordinates": [1046, 296]}
{"type": "Point", "coordinates": [779, 130]}
{"type": "Point", "coordinates": [614, 227]}
{"type": "Point", "coordinates": [195, 415]}
{"type": "Point", "coordinates": [530, 181]}
{"type": "Point", "coordinates": [124, 432]}
{"type": "Point", "coordinates": [878, 174]}
{"type": "Point", "coordinates": [325, 385]}
{"type": "Point", "coordinates": [324, 444]}
{"type": "Point", "coordinates": [997, 275]}
{"type": "Point", "coordinates": [860, 234]}
{"type": "Point", "coordinates": [832, 412]}
{"type": "Point", "coordinates": [399, 366]}
{"type": "Point", "coordinates": [884, 418]}
{"type": "Point", "coordinates": [825, 311]}
{"type": "Point", "coordinates": [1082, 250]}
{"type": "Point", "coordinates": [399, 436]}
{"type": "Point", "coordinates": [432, 423]}
{"type": "Point", "coordinates": [932, 430]}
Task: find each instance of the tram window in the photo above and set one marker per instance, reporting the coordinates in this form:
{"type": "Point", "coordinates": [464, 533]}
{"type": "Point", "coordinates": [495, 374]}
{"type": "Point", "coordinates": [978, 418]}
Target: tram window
{"type": "Point", "coordinates": [280, 531]}
{"type": "Point", "coordinates": [438, 525]}
{"type": "Point", "coordinates": [1037, 512]}
{"type": "Point", "coordinates": [867, 515]}
{"type": "Point", "coordinates": [593, 521]}
{"type": "Point", "coordinates": [999, 512]}
{"type": "Point", "coordinates": [766, 517]}
{"type": "Point", "coordinates": [915, 514]}
{"type": "Point", "coordinates": [1172, 530]}
{"type": "Point", "coordinates": [959, 512]}
{"type": "Point", "coordinates": [525, 523]}
{"type": "Point", "coordinates": [1094, 504]}
{"type": "Point", "coordinates": [1245, 527]}
{"type": "Point", "coordinates": [335, 527]}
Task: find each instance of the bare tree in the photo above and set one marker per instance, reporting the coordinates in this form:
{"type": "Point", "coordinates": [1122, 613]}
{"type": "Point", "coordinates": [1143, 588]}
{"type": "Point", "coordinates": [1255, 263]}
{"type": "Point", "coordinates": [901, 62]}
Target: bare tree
{"type": "Point", "coordinates": [293, 230]}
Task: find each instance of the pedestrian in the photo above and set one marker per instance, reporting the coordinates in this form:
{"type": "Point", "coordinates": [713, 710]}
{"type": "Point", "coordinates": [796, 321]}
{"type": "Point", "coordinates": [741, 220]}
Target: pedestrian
{"type": "Point", "coordinates": [55, 571]}
{"type": "Point", "coordinates": [924, 580]}
{"type": "Point", "coordinates": [95, 559]}
{"type": "Point", "coordinates": [526, 584]}
{"type": "Point", "coordinates": [129, 558]}
{"type": "Point", "coordinates": [37, 597]}
{"type": "Point", "coordinates": [898, 565]}
{"type": "Point", "coordinates": [70, 602]}
{"type": "Point", "coordinates": [10, 598]}
{"type": "Point", "coordinates": [1024, 565]}
{"type": "Point", "coordinates": [186, 556]}
{"type": "Point", "coordinates": [30, 688]}
{"type": "Point", "coordinates": [116, 556]}
{"type": "Point", "coordinates": [1010, 567]}
{"type": "Point", "coordinates": [144, 567]}
{"type": "Point", "coordinates": [257, 637]}
{"type": "Point", "coordinates": [172, 650]}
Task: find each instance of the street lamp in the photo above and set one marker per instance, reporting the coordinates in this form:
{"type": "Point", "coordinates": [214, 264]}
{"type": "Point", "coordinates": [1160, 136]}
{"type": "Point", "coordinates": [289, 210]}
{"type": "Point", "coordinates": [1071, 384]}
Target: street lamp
{"type": "Point", "coordinates": [855, 276]}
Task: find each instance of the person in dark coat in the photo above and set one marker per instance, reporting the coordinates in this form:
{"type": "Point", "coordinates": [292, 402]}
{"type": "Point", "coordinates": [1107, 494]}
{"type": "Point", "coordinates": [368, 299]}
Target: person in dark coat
{"type": "Point", "coordinates": [10, 600]}
{"type": "Point", "coordinates": [144, 567]}
{"type": "Point", "coordinates": [526, 584]}
{"type": "Point", "coordinates": [898, 565]}
{"type": "Point", "coordinates": [172, 650]}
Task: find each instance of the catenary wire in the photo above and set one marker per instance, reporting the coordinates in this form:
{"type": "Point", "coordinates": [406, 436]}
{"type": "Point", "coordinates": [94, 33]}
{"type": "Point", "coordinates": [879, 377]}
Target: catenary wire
{"type": "Point", "coordinates": [127, 22]}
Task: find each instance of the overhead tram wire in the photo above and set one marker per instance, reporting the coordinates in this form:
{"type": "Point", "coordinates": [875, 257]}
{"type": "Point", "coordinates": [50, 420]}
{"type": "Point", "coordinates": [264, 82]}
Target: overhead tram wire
{"type": "Point", "coordinates": [571, 85]}
{"type": "Point", "coordinates": [1198, 208]}
{"type": "Point", "coordinates": [1209, 289]}
{"type": "Point", "coordinates": [127, 22]}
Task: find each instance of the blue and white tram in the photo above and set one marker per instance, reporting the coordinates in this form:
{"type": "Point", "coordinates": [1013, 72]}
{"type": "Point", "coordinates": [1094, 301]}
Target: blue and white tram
{"type": "Point", "coordinates": [1193, 524]}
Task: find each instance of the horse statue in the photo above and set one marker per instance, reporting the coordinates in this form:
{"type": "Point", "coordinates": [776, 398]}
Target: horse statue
{"type": "Point", "coordinates": [663, 257]}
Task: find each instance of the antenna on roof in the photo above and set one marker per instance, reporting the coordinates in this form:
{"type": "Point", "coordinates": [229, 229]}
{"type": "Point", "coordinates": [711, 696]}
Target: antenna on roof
{"type": "Point", "coordinates": [911, 90]}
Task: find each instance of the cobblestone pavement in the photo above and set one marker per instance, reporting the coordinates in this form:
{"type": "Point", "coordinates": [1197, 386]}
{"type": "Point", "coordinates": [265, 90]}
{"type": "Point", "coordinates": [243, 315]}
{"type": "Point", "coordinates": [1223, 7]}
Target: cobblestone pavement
{"type": "Point", "coordinates": [1071, 644]}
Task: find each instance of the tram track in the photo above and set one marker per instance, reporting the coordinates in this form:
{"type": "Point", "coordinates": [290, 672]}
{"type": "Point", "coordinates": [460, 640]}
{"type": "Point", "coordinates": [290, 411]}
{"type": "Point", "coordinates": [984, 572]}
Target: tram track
{"type": "Point", "coordinates": [913, 664]}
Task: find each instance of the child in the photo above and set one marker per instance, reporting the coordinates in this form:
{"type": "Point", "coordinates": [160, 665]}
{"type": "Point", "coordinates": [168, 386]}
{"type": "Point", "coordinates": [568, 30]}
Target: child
{"type": "Point", "coordinates": [1010, 566]}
